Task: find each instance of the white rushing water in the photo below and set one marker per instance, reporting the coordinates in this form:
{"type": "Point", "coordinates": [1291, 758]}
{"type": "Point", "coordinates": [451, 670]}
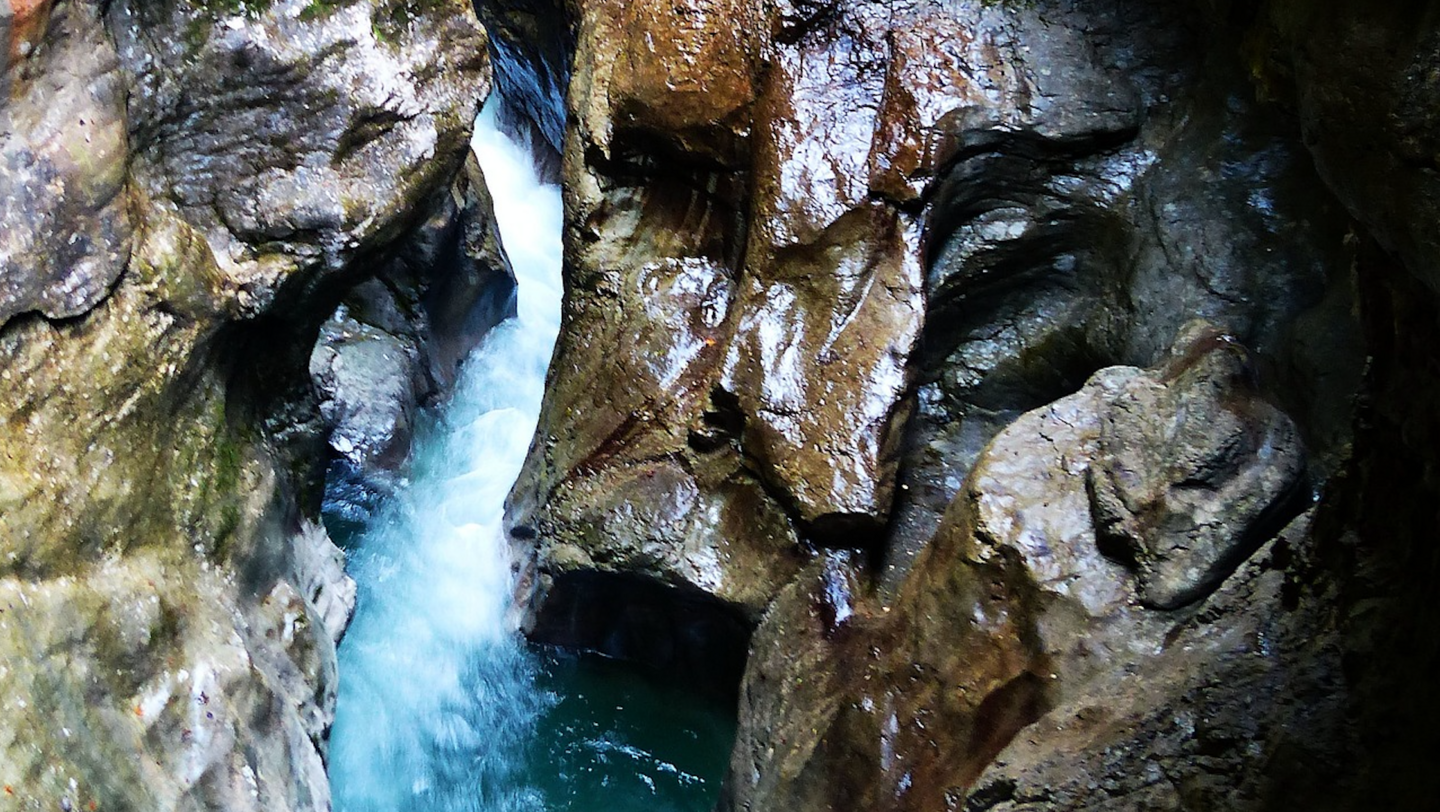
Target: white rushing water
{"type": "Point", "coordinates": [437, 698]}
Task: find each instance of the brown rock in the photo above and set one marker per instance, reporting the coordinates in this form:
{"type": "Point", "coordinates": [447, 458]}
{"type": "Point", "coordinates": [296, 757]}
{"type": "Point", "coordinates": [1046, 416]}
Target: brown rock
{"type": "Point", "coordinates": [677, 70]}
{"type": "Point", "coordinates": [1185, 497]}
{"type": "Point", "coordinates": [818, 364]}
{"type": "Point", "coordinates": [1011, 611]}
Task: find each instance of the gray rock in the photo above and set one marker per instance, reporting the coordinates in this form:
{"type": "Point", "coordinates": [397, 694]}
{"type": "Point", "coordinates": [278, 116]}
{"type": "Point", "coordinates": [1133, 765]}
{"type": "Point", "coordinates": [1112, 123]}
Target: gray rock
{"type": "Point", "coordinates": [316, 135]}
{"type": "Point", "coordinates": [397, 340]}
{"type": "Point", "coordinates": [1058, 244]}
{"type": "Point", "coordinates": [1254, 674]}
{"type": "Point", "coordinates": [364, 378]}
{"type": "Point", "coordinates": [7, 19]}
{"type": "Point", "coordinates": [319, 575]}
{"type": "Point", "coordinates": [63, 155]}
{"type": "Point", "coordinates": [1192, 469]}
{"type": "Point", "coordinates": [166, 633]}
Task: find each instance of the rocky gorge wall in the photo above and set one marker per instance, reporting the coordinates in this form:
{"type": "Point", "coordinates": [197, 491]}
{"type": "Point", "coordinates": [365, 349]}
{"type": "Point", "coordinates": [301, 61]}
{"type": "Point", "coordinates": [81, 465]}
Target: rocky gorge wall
{"type": "Point", "coordinates": [1037, 390]}
{"type": "Point", "coordinates": [195, 195]}
{"type": "Point", "coordinates": [1015, 404]}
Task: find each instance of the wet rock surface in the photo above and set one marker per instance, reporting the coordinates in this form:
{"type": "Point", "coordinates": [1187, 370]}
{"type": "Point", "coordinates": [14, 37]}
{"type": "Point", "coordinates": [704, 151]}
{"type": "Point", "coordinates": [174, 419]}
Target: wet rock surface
{"type": "Point", "coordinates": [397, 340]}
{"type": "Point", "coordinates": [532, 42]}
{"type": "Point", "coordinates": [870, 238]}
{"type": "Point", "coordinates": [866, 366]}
{"type": "Point", "coordinates": [1192, 469]}
{"type": "Point", "coordinates": [215, 176]}
{"type": "Point", "coordinates": [1012, 611]}
{"type": "Point", "coordinates": [860, 243]}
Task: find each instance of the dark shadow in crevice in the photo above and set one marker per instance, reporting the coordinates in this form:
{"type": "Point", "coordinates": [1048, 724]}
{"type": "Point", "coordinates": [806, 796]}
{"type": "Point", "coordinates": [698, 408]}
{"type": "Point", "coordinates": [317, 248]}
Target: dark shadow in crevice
{"type": "Point", "coordinates": [673, 632]}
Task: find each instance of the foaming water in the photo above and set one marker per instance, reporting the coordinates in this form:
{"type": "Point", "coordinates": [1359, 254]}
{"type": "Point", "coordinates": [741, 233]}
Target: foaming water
{"type": "Point", "coordinates": [437, 700]}
{"type": "Point", "coordinates": [444, 709]}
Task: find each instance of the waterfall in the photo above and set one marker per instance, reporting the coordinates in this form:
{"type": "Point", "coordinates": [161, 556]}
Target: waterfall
{"type": "Point", "coordinates": [441, 707]}
{"type": "Point", "coordinates": [436, 698]}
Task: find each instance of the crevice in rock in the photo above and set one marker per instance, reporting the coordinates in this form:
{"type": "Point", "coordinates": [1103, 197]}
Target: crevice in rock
{"type": "Point", "coordinates": [532, 47]}
{"type": "Point", "coordinates": [679, 632]}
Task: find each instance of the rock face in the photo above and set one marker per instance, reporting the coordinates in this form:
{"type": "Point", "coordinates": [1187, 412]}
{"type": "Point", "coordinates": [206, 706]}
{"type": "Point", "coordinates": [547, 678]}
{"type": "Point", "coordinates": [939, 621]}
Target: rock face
{"type": "Point", "coordinates": [397, 340]}
{"type": "Point", "coordinates": [878, 382]}
{"type": "Point", "coordinates": [1361, 79]}
{"type": "Point", "coordinates": [190, 187]}
{"type": "Point", "coordinates": [1014, 612]}
{"type": "Point", "coordinates": [820, 254]}
{"type": "Point", "coordinates": [532, 43]}
{"type": "Point", "coordinates": [68, 229]}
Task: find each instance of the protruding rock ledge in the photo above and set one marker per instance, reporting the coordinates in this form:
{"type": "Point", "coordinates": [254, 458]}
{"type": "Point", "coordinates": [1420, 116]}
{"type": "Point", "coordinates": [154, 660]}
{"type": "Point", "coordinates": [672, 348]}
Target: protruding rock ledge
{"type": "Point", "coordinates": [1015, 609]}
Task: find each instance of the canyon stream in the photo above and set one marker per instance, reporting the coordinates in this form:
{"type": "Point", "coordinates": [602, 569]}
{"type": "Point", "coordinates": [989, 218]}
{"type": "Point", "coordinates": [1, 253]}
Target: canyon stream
{"type": "Point", "coordinates": [442, 706]}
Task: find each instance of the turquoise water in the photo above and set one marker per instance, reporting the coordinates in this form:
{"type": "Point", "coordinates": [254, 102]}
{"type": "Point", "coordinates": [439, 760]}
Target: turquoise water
{"type": "Point", "coordinates": [622, 741]}
{"type": "Point", "coordinates": [442, 707]}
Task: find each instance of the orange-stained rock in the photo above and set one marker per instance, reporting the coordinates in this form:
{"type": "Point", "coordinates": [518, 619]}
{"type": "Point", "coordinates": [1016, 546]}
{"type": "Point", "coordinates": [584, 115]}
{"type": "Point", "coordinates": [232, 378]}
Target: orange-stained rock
{"type": "Point", "coordinates": [27, 24]}
{"type": "Point", "coordinates": [677, 70]}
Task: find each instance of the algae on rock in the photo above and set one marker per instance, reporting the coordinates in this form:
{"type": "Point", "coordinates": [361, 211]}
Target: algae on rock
{"type": "Point", "coordinates": [167, 615]}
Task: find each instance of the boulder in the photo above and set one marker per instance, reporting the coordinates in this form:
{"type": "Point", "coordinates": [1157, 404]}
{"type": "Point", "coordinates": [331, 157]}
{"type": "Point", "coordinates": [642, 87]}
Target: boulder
{"type": "Point", "coordinates": [1191, 469]}
{"type": "Point", "coordinates": [397, 340]}
{"type": "Point", "coordinates": [1015, 609]}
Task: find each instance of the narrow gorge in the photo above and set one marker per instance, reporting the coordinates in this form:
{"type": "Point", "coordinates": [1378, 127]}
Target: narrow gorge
{"type": "Point", "coordinates": [734, 405]}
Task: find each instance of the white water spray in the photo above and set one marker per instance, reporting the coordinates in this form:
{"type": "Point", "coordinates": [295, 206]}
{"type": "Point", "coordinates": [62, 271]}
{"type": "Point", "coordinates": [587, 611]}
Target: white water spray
{"type": "Point", "coordinates": [436, 697]}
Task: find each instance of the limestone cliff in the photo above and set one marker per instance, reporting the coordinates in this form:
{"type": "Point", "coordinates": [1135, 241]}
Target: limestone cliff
{"type": "Point", "coordinates": [186, 191]}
